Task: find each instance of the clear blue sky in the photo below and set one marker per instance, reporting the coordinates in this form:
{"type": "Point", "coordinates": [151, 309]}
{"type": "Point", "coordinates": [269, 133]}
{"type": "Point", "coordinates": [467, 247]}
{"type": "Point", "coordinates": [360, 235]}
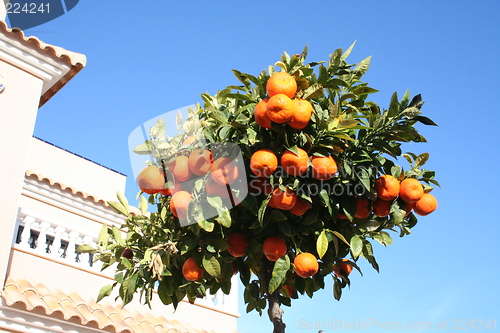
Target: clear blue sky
{"type": "Point", "coordinates": [149, 57]}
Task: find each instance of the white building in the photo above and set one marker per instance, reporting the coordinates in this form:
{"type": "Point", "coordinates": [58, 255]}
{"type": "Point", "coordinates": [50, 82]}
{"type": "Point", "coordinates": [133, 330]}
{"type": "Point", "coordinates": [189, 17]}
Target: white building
{"type": "Point", "coordinates": [52, 200]}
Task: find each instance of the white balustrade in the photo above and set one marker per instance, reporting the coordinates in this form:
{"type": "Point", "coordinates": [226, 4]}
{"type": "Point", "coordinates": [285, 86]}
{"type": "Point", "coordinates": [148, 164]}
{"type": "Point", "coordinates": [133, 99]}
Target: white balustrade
{"type": "Point", "coordinates": [48, 238]}
{"type": "Point", "coordinates": [56, 241]}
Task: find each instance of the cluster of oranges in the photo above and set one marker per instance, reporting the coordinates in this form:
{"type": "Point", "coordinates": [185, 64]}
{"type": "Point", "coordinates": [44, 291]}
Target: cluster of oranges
{"type": "Point", "coordinates": [197, 163]}
{"type": "Point", "coordinates": [388, 189]}
{"type": "Point", "coordinates": [282, 107]}
{"type": "Point", "coordinates": [409, 190]}
{"type": "Point", "coordinates": [273, 248]}
{"type": "Point", "coordinates": [264, 163]}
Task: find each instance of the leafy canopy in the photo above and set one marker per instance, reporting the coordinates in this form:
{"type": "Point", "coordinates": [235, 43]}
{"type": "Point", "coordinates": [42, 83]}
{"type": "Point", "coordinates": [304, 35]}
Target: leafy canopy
{"type": "Point", "coordinates": [365, 141]}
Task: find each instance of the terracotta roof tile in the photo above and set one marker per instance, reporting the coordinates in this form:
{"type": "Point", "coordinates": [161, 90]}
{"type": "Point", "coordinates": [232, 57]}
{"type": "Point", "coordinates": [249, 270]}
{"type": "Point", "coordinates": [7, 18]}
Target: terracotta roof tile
{"type": "Point", "coordinates": [74, 308]}
{"type": "Point", "coordinates": [63, 187]}
{"type": "Point", "coordinates": [30, 174]}
{"type": "Point", "coordinates": [76, 61]}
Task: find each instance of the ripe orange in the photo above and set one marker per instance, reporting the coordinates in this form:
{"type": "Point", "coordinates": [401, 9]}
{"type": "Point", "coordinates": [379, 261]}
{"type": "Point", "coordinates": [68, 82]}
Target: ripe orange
{"type": "Point", "coordinates": [426, 205]}
{"type": "Point", "coordinates": [180, 168]}
{"type": "Point", "coordinates": [260, 114]}
{"type": "Point", "coordinates": [274, 248]}
{"type": "Point", "coordinates": [363, 208]}
{"type": "Point", "coordinates": [200, 163]}
{"type": "Point", "coordinates": [217, 189]}
{"type": "Point", "coordinates": [224, 171]}
{"type": "Point", "coordinates": [280, 108]}
{"type": "Point", "coordinates": [382, 208]}
{"type": "Point", "coordinates": [306, 265]}
{"type": "Point", "coordinates": [151, 180]}
{"type": "Point", "coordinates": [281, 83]}
{"type": "Point", "coordinates": [342, 269]}
{"type": "Point", "coordinates": [238, 244]}
{"type": "Point", "coordinates": [189, 140]}
{"type": "Point", "coordinates": [263, 163]}
{"type": "Point", "coordinates": [409, 207]}
{"type": "Point", "coordinates": [411, 190]}
{"type": "Point", "coordinates": [323, 167]}
{"type": "Point", "coordinates": [179, 203]}
{"type": "Point", "coordinates": [302, 114]}
{"type": "Point", "coordinates": [300, 207]}
{"type": "Point", "coordinates": [295, 165]}
{"type": "Point", "coordinates": [387, 187]}
{"type": "Point", "coordinates": [191, 270]}
{"type": "Point", "coordinates": [284, 200]}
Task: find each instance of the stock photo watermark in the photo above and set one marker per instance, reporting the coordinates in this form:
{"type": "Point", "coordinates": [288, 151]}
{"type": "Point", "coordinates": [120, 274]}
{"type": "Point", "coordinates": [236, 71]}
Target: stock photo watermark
{"type": "Point", "coordinates": [374, 324]}
{"type": "Point", "coordinates": [26, 14]}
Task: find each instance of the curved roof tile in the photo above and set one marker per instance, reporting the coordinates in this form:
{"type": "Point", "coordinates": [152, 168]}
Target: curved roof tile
{"type": "Point", "coordinates": [73, 308]}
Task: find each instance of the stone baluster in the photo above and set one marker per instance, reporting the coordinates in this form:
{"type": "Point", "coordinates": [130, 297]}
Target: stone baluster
{"type": "Point", "coordinates": [85, 257]}
{"type": "Point", "coordinates": [55, 248]}
{"type": "Point", "coordinates": [70, 251]}
{"type": "Point", "coordinates": [26, 234]}
{"type": "Point", "coordinates": [41, 242]}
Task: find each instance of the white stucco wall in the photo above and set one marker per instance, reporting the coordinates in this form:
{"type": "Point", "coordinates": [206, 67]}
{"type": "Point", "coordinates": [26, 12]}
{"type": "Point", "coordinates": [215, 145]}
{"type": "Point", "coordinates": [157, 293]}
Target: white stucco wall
{"type": "Point", "coordinates": [18, 109]}
{"type": "Point", "coordinates": [72, 170]}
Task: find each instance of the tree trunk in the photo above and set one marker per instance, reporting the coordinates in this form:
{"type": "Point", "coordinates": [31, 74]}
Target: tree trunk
{"type": "Point", "coordinates": [275, 314]}
{"type": "Point", "coordinates": [274, 311]}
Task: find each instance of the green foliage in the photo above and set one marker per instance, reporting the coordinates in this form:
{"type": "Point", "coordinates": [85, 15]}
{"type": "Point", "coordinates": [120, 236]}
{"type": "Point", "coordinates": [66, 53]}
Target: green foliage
{"type": "Point", "coordinates": [365, 141]}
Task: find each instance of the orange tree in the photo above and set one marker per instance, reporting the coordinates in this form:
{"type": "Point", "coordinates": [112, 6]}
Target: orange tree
{"type": "Point", "coordinates": [318, 182]}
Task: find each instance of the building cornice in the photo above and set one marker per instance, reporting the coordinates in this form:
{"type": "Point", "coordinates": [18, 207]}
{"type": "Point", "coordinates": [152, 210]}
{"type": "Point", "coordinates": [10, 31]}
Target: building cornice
{"type": "Point", "coordinates": [55, 66]}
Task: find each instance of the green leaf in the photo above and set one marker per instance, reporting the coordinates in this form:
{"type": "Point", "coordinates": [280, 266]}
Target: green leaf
{"type": "Point", "coordinates": [208, 226]}
{"type": "Point", "coordinates": [158, 130]}
{"type": "Point", "coordinates": [356, 245]}
{"type": "Point", "coordinates": [348, 51]}
{"type": "Point", "coordinates": [337, 290]}
{"type": "Point", "coordinates": [117, 235]}
{"type": "Point", "coordinates": [118, 207]}
{"type": "Point", "coordinates": [143, 205]}
{"type": "Point", "coordinates": [104, 292]}
{"type": "Point", "coordinates": [144, 149]}
{"type": "Point", "coordinates": [262, 210]}
{"type": "Point", "coordinates": [383, 238]}
{"type": "Point", "coordinates": [363, 90]}
{"type": "Point", "coordinates": [128, 288]}
{"type": "Point", "coordinates": [394, 106]}
{"type": "Point", "coordinates": [163, 292]}
{"type": "Point", "coordinates": [281, 266]}
{"type": "Point", "coordinates": [425, 121]}
{"type": "Point", "coordinates": [368, 254]}
{"type": "Point", "coordinates": [314, 91]}
{"type": "Point", "coordinates": [363, 66]}
{"type": "Point", "coordinates": [421, 160]}
{"type": "Point", "coordinates": [348, 123]}
{"type": "Point", "coordinates": [103, 237]}
{"type": "Point", "coordinates": [415, 101]}
{"type": "Point", "coordinates": [322, 244]}
{"type": "Point", "coordinates": [211, 265]}
{"type": "Point", "coordinates": [224, 218]}
{"type": "Point", "coordinates": [344, 136]}
{"type": "Point", "coordinates": [364, 178]}
{"type": "Point", "coordinates": [294, 149]}
{"type": "Point", "coordinates": [405, 99]}
{"type": "Point", "coordinates": [278, 216]}
{"type": "Point", "coordinates": [334, 62]}
{"type": "Point", "coordinates": [86, 248]}
{"type": "Point", "coordinates": [341, 237]}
